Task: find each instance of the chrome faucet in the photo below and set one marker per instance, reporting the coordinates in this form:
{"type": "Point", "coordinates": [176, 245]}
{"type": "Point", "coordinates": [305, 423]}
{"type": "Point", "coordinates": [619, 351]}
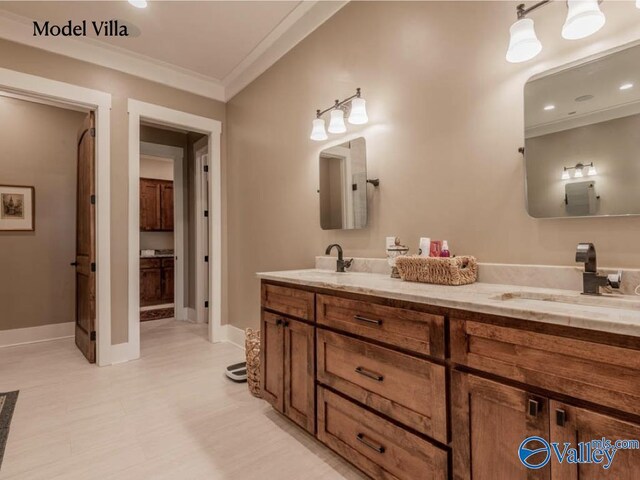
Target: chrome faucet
{"type": "Point", "coordinates": [591, 281]}
{"type": "Point", "coordinates": [341, 264]}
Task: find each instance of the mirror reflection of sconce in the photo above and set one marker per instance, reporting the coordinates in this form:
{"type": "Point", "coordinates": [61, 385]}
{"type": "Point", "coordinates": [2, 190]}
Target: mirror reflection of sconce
{"type": "Point", "coordinates": [354, 107]}
{"type": "Point", "coordinates": [578, 171]}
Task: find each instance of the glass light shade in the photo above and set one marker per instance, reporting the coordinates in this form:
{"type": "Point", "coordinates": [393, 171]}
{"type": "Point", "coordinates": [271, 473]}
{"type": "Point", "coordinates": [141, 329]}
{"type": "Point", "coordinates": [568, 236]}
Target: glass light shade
{"type": "Point", "coordinates": [578, 173]}
{"type": "Point", "coordinates": [358, 115]}
{"type": "Point", "coordinates": [523, 42]}
{"type": "Point", "coordinates": [317, 132]}
{"type": "Point", "coordinates": [565, 174]}
{"type": "Point", "coordinates": [138, 3]}
{"type": "Point", "coordinates": [336, 124]}
{"type": "Point", "coordinates": [592, 171]}
{"type": "Point", "coordinates": [584, 18]}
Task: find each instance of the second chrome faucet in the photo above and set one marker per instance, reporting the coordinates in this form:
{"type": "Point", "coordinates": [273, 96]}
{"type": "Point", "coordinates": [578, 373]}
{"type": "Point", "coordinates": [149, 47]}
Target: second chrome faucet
{"type": "Point", "coordinates": [341, 263]}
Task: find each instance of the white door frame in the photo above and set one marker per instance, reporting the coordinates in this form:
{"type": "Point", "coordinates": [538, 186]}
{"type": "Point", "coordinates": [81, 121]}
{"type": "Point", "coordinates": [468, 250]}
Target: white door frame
{"type": "Point", "coordinates": [100, 102]}
{"type": "Point", "coordinates": [201, 272]}
{"type": "Point", "coordinates": [213, 128]}
{"type": "Point", "coordinates": [176, 155]}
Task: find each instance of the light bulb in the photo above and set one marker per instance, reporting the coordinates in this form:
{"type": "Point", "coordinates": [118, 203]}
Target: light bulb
{"type": "Point", "coordinates": [584, 18]}
{"type": "Point", "coordinates": [523, 42]}
{"type": "Point", "coordinates": [336, 124]}
{"type": "Point", "coordinates": [317, 132]}
{"type": "Point", "coordinates": [138, 3]}
{"type": "Point", "coordinates": [358, 115]}
{"type": "Point", "coordinates": [578, 173]}
{"type": "Point", "coordinates": [592, 171]}
{"type": "Point", "coordinates": [565, 174]}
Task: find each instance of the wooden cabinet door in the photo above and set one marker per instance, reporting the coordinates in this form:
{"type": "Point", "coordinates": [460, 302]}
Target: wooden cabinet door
{"type": "Point", "coordinates": [573, 425]}
{"type": "Point", "coordinates": [166, 206]}
{"type": "Point", "coordinates": [299, 373]}
{"type": "Point", "coordinates": [489, 422]}
{"type": "Point", "coordinates": [150, 286]}
{"type": "Point", "coordinates": [167, 286]}
{"type": "Point", "coordinates": [150, 205]}
{"type": "Point", "coordinates": [272, 360]}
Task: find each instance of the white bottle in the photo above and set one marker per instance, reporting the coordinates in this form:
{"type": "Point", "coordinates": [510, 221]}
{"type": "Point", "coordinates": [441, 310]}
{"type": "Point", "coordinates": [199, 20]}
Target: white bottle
{"type": "Point", "coordinates": [424, 247]}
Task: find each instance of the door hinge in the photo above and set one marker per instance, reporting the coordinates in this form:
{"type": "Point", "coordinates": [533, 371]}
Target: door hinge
{"type": "Point", "coordinates": [93, 199]}
{"type": "Point", "coordinates": [206, 213]}
{"type": "Point", "coordinates": [206, 168]}
{"type": "Point", "coordinates": [92, 336]}
{"type": "Point", "coordinates": [92, 132]}
{"type": "Point", "coordinates": [93, 266]}
{"type": "Point", "coordinates": [206, 258]}
{"type": "Point", "coordinates": [206, 304]}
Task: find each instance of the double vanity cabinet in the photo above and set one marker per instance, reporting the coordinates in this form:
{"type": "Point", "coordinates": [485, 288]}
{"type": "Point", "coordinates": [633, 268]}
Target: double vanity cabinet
{"type": "Point", "coordinates": [411, 391]}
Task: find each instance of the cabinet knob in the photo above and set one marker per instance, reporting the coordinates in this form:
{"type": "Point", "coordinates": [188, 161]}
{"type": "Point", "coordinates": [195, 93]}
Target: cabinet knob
{"type": "Point", "coordinates": [533, 407]}
{"type": "Point", "coordinates": [561, 417]}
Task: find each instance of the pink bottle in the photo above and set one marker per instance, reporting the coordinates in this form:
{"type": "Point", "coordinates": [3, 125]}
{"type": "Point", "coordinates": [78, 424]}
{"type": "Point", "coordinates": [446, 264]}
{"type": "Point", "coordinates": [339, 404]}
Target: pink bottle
{"type": "Point", "coordinates": [445, 250]}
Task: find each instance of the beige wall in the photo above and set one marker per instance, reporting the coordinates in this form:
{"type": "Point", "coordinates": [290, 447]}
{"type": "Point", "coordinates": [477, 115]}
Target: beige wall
{"type": "Point", "coordinates": [38, 149]}
{"type": "Point", "coordinates": [121, 86]}
{"type": "Point", "coordinates": [446, 121]}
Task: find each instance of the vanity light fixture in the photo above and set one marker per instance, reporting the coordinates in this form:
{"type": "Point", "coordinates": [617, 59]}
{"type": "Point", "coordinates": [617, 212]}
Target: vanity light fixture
{"type": "Point", "coordinates": [578, 171]}
{"type": "Point", "coordinates": [584, 18]}
{"type": "Point", "coordinates": [138, 3]}
{"type": "Point", "coordinates": [354, 106]}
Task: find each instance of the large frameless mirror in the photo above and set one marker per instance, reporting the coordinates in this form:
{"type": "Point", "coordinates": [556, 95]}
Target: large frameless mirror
{"type": "Point", "coordinates": [582, 138]}
{"type": "Point", "coordinates": [343, 186]}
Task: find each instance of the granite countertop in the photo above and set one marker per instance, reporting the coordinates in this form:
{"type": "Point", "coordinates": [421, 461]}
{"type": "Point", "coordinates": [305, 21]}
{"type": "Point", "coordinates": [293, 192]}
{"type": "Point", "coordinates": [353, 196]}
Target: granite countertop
{"type": "Point", "coordinates": [161, 255]}
{"type": "Point", "coordinates": [621, 316]}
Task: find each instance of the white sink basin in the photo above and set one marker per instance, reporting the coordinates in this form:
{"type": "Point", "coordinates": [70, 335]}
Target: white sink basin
{"type": "Point", "coordinates": [607, 301]}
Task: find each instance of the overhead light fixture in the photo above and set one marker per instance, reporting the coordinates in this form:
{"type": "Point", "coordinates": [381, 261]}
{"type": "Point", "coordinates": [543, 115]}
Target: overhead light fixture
{"type": "Point", "coordinates": [549, 107]}
{"type": "Point", "coordinates": [523, 42]}
{"type": "Point", "coordinates": [318, 132]}
{"type": "Point", "coordinates": [336, 124]}
{"type": "Point", "coordinates": [584, 18]}
{"type": "Point", "coordinates": [138, 3]}
{"type": "Point", "coordinates": [354, 106]}
{"type": "Point", "coordinates": [627, 86]}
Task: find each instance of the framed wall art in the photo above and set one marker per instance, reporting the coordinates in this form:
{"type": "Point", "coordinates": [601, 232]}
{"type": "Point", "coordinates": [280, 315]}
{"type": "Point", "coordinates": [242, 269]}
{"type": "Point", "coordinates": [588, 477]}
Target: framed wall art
{"type": "Point", "coordinates": [17, 208]}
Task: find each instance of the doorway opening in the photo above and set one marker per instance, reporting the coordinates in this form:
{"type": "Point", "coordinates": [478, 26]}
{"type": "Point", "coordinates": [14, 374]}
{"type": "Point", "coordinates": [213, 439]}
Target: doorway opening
{"type": "Point", "coordinates": [192, 268]}
{"type": "Point", "coordinates": [48, 222]}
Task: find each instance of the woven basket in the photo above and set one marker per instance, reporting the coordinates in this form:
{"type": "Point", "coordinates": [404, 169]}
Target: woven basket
{"type": "Point", "coordinates": [252, 348]}
{"type": "Point", "coordinates": [441, 271]}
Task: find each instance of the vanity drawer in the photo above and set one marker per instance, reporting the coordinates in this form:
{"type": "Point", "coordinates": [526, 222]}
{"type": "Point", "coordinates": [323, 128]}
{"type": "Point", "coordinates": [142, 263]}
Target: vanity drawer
{"type": "Point", "coordinates": [407, 389]}
{"type": "Point", "coordinates": [290, 301]}
{"type": "Point", "coordinates": [375, 445]}
{"type": "Point", "coordinates": [603, 374]}
{"type": "Point", "coordinates": [416, 331]}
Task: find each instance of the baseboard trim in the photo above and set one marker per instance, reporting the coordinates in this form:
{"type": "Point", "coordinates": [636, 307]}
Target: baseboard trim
{"type": "Point", "coordinates": [233, 335]}
{"type": "Point", "coordinates": [192, 315]}
{"type": "Point", "coordinates": [120, 353]}
{"type": "Point", "coordinates": [44, 333]}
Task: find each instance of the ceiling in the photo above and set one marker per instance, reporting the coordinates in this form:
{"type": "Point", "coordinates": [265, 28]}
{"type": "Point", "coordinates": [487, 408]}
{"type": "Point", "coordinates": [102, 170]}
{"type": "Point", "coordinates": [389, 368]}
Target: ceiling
{"type": "Point", "coordinates": [213, 41]}
{"type": "Point", "coordinates": [584, 94]}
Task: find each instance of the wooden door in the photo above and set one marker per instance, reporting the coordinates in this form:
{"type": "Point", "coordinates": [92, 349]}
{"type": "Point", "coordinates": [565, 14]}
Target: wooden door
{"type": "Point", "coordinates": [166, 206]}
{"type": "Point", "coordinates": [299, 373]}
{"type": "Point", "coordinates": [572, 425]}
{"type": "Point", "coordinates": [489, 422]}
{"type": "Point", "coordinates": [150, 206]}
{"type": "Point", "coordinates": [272, 360]}
{"type": "Point", "coordinates": [85, 262]}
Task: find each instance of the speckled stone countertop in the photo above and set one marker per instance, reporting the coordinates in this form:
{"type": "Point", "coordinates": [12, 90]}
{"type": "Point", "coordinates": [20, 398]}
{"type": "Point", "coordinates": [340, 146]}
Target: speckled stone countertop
{"type": "Point", "coordinates": [618, 314]}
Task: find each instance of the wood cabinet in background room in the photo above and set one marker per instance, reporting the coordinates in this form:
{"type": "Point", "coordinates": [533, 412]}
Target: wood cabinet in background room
{"type": "Point", "coordinates": [156, 281]}
{"type": "Point", "coordinates": [156, 205]}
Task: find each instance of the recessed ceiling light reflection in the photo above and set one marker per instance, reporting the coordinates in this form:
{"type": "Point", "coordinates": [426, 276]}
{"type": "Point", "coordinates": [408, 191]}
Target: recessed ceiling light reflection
{"type": "Point", "coordinates": [626, 86]}
{"type": "Point", "coordinates": [549, 107]}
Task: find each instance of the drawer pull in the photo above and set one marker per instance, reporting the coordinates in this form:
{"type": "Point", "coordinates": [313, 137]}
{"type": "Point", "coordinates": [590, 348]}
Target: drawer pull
{"type": "Point", "coordinates": [375, 376]}
{"type": "Point", "coordinates": [367, 320]}
{"type": "Point", "coordinates": [378, 448]}
{"type": "Point", "coordinates": [561, 417]}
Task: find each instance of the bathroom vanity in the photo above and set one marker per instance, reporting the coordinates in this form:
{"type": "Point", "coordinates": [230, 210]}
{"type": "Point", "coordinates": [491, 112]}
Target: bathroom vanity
{"type": "Point", "coordinates": [412, 381]}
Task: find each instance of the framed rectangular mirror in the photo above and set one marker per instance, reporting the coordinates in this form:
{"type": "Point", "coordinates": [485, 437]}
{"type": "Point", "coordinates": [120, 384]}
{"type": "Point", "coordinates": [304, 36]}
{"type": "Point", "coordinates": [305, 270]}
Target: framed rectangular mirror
{"type": "Point", "coordinates": [582, 138]}
{"type": "Point", "coordinates": [343, 186]}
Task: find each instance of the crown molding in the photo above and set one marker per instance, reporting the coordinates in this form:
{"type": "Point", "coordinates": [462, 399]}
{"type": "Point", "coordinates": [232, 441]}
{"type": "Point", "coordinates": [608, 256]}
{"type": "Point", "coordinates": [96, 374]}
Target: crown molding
{"type": "Point", "coordinates": [303, 19]}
